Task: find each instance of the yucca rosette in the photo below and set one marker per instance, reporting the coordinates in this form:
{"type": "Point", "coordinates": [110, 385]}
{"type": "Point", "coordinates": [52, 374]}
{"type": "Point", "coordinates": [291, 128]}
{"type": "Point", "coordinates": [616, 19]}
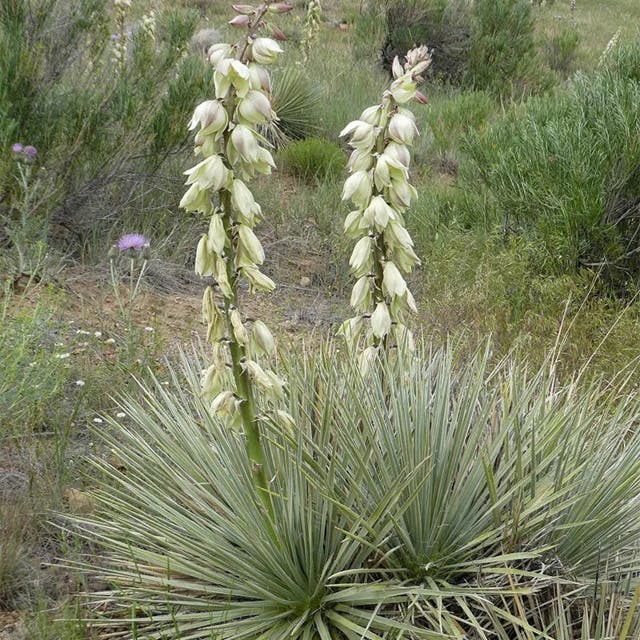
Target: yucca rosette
{"type": "Point", "coordinates": [379, 188]}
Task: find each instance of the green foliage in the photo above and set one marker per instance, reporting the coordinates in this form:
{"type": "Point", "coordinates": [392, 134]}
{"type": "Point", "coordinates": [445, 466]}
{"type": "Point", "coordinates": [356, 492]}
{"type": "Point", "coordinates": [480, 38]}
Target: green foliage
{"type": "Point", "coordinates": [313, 158]}
{"type": "Point", "coordinates": [104, 128]}
{"type": "Point", "coordinates": [296, 100]}
{"type": "Point", "coordinates": [432, 498]}
{"type": "Point", "coordinates": [502, 52]}
{"type": "Point", "coordinates": [564, 168]}
{"type": "Point", "coordinates": [561, 49]}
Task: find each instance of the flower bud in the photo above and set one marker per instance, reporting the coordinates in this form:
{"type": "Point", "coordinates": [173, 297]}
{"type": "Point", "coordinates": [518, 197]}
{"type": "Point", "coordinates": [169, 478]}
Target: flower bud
{"type": "Point", "coordinates": [256, 108]}
{"type": "Point", "coordinates": [250, 251]}
{"type": "Point", "coordinates": [280, 7]}
{"type": "Point", "coordinates": [353, 224]}
{"type": "Point", "coordinates": [379, 213]}
{"type": "Point", "coordinates": [360, 160]}
{"type": "Point", "coordinates": [367, 360]}
{"type": "Point", "coordinates": [372, 115]}
{"type": "Point", "coordinates": [262, 338]}
{"type": "Point", "coordinates": [264, 50]}
{"type": "Point", "coordinates": [256, 279]}
{"type": "Point", "coordinates": [401, 194]}
{"type": "Point", "coordinates": [351, 330]}
{"type": "Point", "coordinates": [399, 152]}
{"type": "Point", "coordinates": [204, 260]}
{"type": "Point", "coordinates": [245, 143]}
{"type": "Point", "coordinates": [209, 174]}
{"type": "Point", "coordinates": [358, 187]}
{"type": "Point", "coordinates": [245, 9]}
{"type": "Point", "coordinates": [278, 33]}
{"type": "Point", "coordinates": [402, 128]}
{"type": "Point", "coordinates": [211, 116]}
{"type": "Point", "coordinates": [403, 89]}
{"type": "Point", "coordinates": [396, 68]}
{"type": "Point", "coordinates": [240, 21]}
{"type": "Point", "coordinates": [220, 274]}
{"type": "Point", "coordinates": [196, 199]}
{"type": "Point", "coordinates": [218, 52]}
{"type": "Point", "coordinates": [211, 381]}
{"type": "Point", "coordinates": [362, 135]}
{"type": "Point", "coordinates": [224, 404]}
{"type": "Point", "coordinates": [217, 235]}
{"type": "Point", "coordinates": [381, 320]}
{"type": "Point", "coordinates": [259, 78]}
{"type": "Point", "coordinates": [361, 257]}
{"type": "Point", "coordinates": [239, 330]}
{"type": "Point", "coordinates": [361, 294]}
{"type": "Point", "coordinates": [388, 168]}
{"type": "Point", "coordinates": [393, 284]}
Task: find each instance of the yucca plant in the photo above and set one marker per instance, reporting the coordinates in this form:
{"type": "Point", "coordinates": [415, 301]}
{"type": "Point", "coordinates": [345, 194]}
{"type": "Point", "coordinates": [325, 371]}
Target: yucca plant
{"type": "Point", "coordinates": [444, 498]}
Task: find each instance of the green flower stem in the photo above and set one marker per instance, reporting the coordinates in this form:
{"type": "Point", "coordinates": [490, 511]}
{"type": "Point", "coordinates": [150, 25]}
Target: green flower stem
{"type": "Point", "coordinates": [244, 388]}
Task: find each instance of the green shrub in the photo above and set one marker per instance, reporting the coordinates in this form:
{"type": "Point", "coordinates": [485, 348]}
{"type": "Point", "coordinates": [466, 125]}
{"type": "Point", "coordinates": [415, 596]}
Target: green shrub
{"type": "Point", "coordinates": [444, 495]}
{"type": "Point", "coordinates": [313, 158]}
{"type": "Point", "coordinates": [442, 25]}
{"type": "Point", "coordinates": [565, 169]}
{"type": "Point", "coordinates": [561, 49]}
{"type": "Point", "coordinates": [107, 131]}
{"type": "Point", "coordinates": [502, 51]}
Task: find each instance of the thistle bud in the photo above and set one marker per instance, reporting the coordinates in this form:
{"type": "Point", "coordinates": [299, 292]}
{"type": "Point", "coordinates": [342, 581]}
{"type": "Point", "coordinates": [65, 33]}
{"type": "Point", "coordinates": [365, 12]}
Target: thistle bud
{"type": "Point", "coordinates": [239, 330]}
{"type": "Point", "coordinates": [358, 187]}
{"type": "Point", "coordinates": [262, 338]}
{"type": "Point", "coordinates": [264, 50]}
{"type": "Point", "coordinates": [381, 320]}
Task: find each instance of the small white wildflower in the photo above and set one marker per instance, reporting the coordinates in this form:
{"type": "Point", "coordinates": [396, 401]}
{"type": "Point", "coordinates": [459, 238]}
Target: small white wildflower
{"type": "Point", "coordinates": [63, 356]}
{"type": "Point", "coordinates": [98, 420]}
{"type": "Point", "coordinates": [97, 334]}
{"type": "Point", "coordinates": [79, 383]}
{"type": "Point", "coordinates": [149, 329]}
{"type": "Point", "coordinates": [121, 414]}
{"type": "Point", "coordinates": [110, 341]}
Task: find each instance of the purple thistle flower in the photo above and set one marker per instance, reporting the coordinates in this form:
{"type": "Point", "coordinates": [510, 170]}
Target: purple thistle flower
{"type": "Point", "coordinates": [17, 148]}
{"type": "Point", "coordinates": [30, 152]}
{"type": "Point", "coordinates": [135, 241]}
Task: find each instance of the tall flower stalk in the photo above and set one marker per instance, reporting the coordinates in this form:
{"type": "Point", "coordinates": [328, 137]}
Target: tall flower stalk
{"type": "Point", "coordinates": [232, 151]}
{"type": "Point", "coordinates": [311, 27]}
{"type": "Point", "coordinates": [379, 188]}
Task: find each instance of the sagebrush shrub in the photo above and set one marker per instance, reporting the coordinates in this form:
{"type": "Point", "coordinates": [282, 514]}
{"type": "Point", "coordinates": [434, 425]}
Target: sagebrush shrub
{"type": "Point", "coordinates": [565, 169]}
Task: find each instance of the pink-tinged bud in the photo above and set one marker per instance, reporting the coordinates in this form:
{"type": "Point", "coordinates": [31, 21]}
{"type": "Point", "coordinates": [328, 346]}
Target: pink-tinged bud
{"type": "Point", "coordinates": [240, 21]}
{"type": "Point", "coordinates": [278, 34]}
{"type": "Point", "coordinates": [420, 97]}
{"type": "Point", "coordinates": [280, 7]}
{"type": "Point", "coordinates": [246, 9]}
{"type": "Point", "coordinates": [396, 68]}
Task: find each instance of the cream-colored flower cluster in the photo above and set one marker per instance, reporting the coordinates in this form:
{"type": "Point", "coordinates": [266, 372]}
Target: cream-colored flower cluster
{"type": "Point", "coordinates": [380, 190]}
{"type": "Point", "coordinates": [311, 27]}
{"type": "Point", "coordinates": [231, 151]}
{"type": "Point", "coordinates": [121, 9]}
